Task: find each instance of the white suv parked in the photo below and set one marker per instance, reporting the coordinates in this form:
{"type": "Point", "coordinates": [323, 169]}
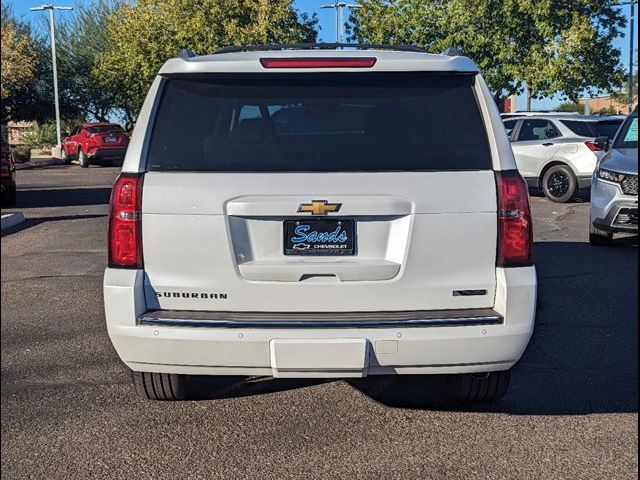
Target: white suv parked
{"type": "Point", "coordinates": [557, 154]}
{"type": "Point", "coordinates": [320, 213]}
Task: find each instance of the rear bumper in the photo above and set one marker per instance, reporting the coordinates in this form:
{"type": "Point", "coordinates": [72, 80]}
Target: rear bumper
{"type": "Point", "coordinates": [108, 154]}
{"type": "Point", "coordinates": [584, 182]}
{"type": "Point", "coordinates": [476, 342]}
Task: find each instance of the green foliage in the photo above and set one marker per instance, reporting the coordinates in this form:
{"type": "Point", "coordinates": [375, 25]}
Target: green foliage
{"type": "Point", "coordinates": [144, 35]}
{"type": "Point", "coordinates": [18, 62]}
{"type": "Point", "coordinates": [570, 107]}
{"type": "Point", "coordinates": [21, 153]}
{"type": "Point", "coordinates": [548, 45]}
{"type": "Point", "coordinates": [41, 136]}
{"type": "Point", "coordinates": [81, 40]}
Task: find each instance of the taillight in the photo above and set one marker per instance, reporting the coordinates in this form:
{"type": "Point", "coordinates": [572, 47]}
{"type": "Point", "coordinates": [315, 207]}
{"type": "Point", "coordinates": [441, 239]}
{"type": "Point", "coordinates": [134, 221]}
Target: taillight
{"type": "Point", "coordinates": [592, 146]}
{"type": "Point", "coordinates": [319, 62]}
{"type": "Point", "coordinates": [125, 222]}
{"type": "Point", "coordinates": [515, 229]}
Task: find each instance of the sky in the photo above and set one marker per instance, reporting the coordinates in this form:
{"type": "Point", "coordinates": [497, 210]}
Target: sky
{"type": "Point", "coordinates": [326, 19]}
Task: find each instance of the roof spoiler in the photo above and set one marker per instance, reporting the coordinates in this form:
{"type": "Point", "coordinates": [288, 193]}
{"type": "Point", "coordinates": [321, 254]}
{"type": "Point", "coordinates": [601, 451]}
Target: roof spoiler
{"type": "Point", "coordinates": [453, 52]}
{"type": "Point", "coordinates": [318, 46]}
{"type": "Point", "coordinates": [186, 53]}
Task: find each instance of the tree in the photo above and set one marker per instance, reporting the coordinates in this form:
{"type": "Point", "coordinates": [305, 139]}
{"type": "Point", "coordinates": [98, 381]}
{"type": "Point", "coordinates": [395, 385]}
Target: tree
{"type": "Point", "coordinates": [81, 41]}
{"type": "Point", "coordinates": [622, 96]}
{"type": "Point", "coordinates": [545, 46]}
{"type": "Point", "coordinates": [145, 34]}
{"type": "Point", "coordinates": [570, 107]}
{"type": "Point", "coordinates": [18, 70]}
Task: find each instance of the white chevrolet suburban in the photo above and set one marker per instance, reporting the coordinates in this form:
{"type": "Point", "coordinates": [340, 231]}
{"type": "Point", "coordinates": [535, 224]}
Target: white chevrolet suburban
{"type": "Point", "coordinates": [310, 212]}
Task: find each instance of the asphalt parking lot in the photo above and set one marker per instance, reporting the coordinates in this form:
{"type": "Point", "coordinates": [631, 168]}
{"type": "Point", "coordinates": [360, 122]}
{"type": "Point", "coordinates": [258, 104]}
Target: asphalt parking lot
{"type": "Point", "coordinates": [69, 409]}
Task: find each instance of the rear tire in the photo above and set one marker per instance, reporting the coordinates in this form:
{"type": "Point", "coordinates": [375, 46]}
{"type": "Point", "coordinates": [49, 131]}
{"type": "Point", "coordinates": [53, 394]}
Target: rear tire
{"type": "Point", "coordinates": [9, 197]}
{"type": "Point", "coordinates": [559, 184]}
{"type": "Point", "coordinates": [161, 386]}
{"type": "Point", "coordinates": [600, 238]}
{"type": "Point", "coordinates": [82, 159]}
{"type": "Point", "coordinates": [483, 387]}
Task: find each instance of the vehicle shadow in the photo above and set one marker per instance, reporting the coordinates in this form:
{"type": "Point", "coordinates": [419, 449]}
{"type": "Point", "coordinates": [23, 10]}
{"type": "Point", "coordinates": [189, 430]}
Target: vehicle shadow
{"type": "Point", "coordinates": [64, 197]}
{"type": "Point", "coordinates": [31, 222]}
{"type": "Point", "coordinates": [215, 388]}
{"type": "Point", "coordinates": [583, 357]}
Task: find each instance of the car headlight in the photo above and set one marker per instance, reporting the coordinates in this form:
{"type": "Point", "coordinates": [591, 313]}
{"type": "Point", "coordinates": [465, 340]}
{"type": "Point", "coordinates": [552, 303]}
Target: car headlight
{"type": "Point", "coordinates": [610, 176]}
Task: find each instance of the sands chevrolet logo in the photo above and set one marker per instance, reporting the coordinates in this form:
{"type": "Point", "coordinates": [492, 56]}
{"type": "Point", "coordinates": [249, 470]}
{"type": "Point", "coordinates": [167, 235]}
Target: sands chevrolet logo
{"type": "Point", "coordinates": [318, 207]}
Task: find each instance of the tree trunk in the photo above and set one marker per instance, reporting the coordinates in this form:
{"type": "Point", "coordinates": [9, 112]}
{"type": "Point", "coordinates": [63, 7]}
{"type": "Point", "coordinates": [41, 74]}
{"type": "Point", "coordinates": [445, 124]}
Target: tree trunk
{"type": "Point", "coordinates": [528, 95]}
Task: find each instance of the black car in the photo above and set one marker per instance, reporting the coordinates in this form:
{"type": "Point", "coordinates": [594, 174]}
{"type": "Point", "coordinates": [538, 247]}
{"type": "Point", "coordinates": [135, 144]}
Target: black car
{"type": "Point", "coordinates": [7, 176]}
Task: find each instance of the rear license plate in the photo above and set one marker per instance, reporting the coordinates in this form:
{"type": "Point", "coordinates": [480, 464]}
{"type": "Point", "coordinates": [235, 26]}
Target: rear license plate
{"type": "Point", "coordinates": [320, 237]}
{"type": "Point", "coordinates": [110, 139]}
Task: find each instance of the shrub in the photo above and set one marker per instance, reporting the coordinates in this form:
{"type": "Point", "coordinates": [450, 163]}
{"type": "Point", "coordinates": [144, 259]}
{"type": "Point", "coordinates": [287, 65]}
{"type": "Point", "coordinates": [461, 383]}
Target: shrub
{"type": "Point", "coordinates": [21, 153]}
{"type": "Point", "coordinates": [41, 136]}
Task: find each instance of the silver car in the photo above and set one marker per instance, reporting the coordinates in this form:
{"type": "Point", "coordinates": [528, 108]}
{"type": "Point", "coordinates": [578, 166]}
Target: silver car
{"type": "Point", "coordinates": [614, 190]}
{"type": "Point", "coordinates": [557, 154]}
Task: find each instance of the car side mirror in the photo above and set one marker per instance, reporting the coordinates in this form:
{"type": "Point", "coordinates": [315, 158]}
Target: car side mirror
{"type": "Point", "coordinates": [601, 143]}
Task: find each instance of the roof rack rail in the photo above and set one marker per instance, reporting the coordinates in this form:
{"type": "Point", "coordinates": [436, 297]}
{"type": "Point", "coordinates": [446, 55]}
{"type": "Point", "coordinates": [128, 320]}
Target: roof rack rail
{"type": "Point", "coordinates": [318, 46]}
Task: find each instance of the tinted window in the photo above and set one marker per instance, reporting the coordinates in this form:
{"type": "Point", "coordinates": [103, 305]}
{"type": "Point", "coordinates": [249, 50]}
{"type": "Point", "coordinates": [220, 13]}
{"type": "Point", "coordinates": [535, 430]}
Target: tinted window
{"type": "Point", "coordinates": [533, 129]}
{"type": "Point", "coordinates": [509, 125]}
{"type": "Point", "coordinates": [319, 122]}
{"type": "Point", "coordinates": [105, 129]}
{"type": "Point", "coordinates": [583, 129]}
{"type": "Point", "coordinates": [607, 129]}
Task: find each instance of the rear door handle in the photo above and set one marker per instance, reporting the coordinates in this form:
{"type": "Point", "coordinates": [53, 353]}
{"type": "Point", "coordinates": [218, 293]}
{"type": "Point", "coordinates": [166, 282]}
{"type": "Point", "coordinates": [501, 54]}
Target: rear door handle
{"type": "Point", "coordinates": [548, 144]}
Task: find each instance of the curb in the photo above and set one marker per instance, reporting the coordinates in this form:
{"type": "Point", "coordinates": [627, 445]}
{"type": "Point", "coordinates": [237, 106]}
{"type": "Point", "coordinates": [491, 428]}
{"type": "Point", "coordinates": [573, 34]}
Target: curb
{"type": "Point", "coordinates": [11, 220]}
{"type": "Point", "coordinates": [39, 162]}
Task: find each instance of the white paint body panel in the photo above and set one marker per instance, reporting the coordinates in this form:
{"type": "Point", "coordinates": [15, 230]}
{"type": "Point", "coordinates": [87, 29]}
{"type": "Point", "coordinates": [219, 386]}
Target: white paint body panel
{"type": "Point", "coordinates": [231, 351]}
{"type": "Point", "coordinates": [421, 235]}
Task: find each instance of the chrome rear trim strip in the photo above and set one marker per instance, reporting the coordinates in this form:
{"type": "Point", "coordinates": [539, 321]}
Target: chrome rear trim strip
{"type": "Point", "coordinates": [159, 321]}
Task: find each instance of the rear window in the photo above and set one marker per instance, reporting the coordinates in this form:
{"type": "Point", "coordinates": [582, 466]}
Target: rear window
{"type": "Point", "coordinates": [606, 128]}
{"type": "Point", "coordinates": [318, 122]}
{"type": "Point", "coordinates": [105, 129]}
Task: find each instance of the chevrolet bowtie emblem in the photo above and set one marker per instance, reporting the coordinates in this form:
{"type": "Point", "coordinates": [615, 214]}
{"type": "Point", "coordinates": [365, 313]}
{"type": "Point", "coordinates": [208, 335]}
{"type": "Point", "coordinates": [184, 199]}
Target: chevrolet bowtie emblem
{"type": "Point", "coordinates": [319, 207]}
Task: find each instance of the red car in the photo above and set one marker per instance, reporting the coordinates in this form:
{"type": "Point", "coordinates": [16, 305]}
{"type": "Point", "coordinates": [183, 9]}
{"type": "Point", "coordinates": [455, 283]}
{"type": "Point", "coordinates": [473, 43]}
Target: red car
{"type": "Point", "coordinates": [7, 176]}
{"type": "Point", "coordinates": [95, 143]}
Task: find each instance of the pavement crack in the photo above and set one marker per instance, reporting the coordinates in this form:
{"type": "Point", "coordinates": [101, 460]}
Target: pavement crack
{"type": "Point", "coordinates": [18, 387]}
{"type": "Point", "coordinates": [38, 277]}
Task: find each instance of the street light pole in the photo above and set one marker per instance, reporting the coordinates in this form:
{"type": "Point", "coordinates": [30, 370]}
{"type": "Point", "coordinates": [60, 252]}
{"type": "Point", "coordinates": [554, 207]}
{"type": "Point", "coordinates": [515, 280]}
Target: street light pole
{"type": "Point", "coordinates": [631, 21]}
{"type": "Point", "coordinates": [339, 6]}
{"type": "Point", "coordinates": [51, 8]}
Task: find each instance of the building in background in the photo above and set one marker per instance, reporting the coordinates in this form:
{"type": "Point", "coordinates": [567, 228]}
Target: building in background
{"type": "Point", "coordinates": [14, 131]}
{"type": "Point", "coordinates": [607, 104]}
{"type": "Point", "coordinates": [508, 105]}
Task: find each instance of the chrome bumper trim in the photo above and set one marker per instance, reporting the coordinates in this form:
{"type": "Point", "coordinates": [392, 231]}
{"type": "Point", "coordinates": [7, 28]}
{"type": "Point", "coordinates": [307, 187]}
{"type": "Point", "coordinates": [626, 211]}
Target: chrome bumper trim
{"type": "Point", "coordinates": [322, 320]}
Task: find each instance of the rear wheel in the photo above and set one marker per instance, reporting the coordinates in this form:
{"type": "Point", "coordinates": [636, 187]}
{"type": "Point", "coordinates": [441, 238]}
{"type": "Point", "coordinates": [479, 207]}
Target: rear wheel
{"type": "Point", "coordinates": [83, 160]}
{"type": "Point", "coordinates": [600, 238]}
{"type": "Point", "coordinates": [483, 387]}
{"type": "Point", "coordinates": [161, 386]}
{"type": "Point", "coordinates": [559, 184]}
